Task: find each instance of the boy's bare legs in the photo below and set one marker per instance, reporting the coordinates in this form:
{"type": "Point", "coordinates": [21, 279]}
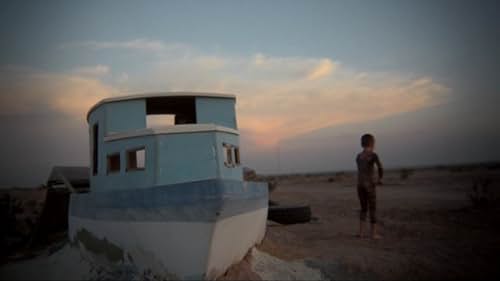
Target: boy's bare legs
{"type": "Point", "coordinates": [362, 226]}
{"type": "Point", "coordinates": [363, 200]}
{"type": "Point", "coordinates": [375, 235]}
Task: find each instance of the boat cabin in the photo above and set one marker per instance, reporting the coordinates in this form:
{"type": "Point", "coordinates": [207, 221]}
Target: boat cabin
{"type": "Point", "coordinates": [161, 139]}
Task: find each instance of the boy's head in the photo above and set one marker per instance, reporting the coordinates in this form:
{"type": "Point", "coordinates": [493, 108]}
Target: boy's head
{"type": "Point", "coordinates": [368, 141]}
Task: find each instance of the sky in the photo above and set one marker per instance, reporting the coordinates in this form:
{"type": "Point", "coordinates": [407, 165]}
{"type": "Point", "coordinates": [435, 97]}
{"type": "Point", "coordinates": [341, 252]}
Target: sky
{"type": "Point", "coordinates": [310, 77]}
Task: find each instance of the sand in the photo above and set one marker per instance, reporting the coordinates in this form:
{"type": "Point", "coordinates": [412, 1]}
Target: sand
{"type": "Point", "coordinates": [69, 264]}
{"type": "Point", "coordinates": [431, 228]}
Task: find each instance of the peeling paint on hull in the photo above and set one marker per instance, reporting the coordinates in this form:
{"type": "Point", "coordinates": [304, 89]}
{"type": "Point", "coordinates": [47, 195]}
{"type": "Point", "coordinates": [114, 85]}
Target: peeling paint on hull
{"type": "Point", "coordinates": [110, 251]}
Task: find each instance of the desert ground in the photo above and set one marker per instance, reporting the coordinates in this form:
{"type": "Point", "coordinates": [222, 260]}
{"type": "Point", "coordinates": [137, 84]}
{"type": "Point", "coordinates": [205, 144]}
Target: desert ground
{"type": "Point", "coordinates": [437, 223]}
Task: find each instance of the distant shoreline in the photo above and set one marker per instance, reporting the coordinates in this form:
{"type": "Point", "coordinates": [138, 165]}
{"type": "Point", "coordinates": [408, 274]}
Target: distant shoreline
{"type": "Point", "coordinates": [465, 166]}
{"type": "Point", "coordinates": [461, 166]}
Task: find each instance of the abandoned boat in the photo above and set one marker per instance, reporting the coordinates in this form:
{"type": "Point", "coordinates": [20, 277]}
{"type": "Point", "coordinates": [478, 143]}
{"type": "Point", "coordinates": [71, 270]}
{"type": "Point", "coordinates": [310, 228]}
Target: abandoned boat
{"type": "Point", "coordinates": [170, 199]}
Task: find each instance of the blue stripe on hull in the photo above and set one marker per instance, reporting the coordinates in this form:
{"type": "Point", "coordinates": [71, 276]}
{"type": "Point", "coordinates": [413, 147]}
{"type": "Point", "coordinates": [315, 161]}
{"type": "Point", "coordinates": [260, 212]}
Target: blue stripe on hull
{"type": "Point", "coordinates": [200, 201]}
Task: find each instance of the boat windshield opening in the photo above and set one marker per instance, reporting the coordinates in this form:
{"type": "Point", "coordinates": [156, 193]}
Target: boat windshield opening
{"type": "Point", "coordinates": [136, 159]}
{"type": "Point", "coordinates": [160, 120]}
{"type": "Point", "coordinates": [169, 111]}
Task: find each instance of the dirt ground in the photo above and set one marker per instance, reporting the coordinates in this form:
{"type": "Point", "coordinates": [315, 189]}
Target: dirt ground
{"type": "Point", "coordinates": [431, 228]}
{"type": "Point", "coordinates": [435, 225]}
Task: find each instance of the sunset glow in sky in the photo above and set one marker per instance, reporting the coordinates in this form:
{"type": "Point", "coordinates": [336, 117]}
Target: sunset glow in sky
{"type": "Point", "coordinates": [298, 68]}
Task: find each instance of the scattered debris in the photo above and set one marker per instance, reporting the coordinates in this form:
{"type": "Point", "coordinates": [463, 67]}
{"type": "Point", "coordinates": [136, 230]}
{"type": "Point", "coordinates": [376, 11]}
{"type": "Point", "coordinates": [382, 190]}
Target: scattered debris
{"type": "Point", "coordinates": [75, 179]}
{"type": "Point", "coordinates": [249, 174]}
{"type": "Point", "coordinates": [31, 218]}
{"type": "Point", "coordinates": [406, 173]}
{"type": "Point", "coordinates": [482, 194]}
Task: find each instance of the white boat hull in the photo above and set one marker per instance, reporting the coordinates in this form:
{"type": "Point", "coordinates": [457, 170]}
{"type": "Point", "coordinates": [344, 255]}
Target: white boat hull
{"type": "Point", "coordinates": [174, 249]}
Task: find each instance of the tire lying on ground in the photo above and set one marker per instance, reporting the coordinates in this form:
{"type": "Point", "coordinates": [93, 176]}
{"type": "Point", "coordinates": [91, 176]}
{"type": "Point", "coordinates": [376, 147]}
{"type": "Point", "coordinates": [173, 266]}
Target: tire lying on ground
{"type": "Point", "coordinates": [289, 214]}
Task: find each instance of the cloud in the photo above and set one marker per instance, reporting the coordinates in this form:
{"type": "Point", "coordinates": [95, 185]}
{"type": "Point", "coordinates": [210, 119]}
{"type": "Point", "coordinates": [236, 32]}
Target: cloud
{"type": "Point", "coordinates": [122, 78]}
{"type": "Point", "coordinates": [278, 97]}
{"type": "Point", "coordinates": [96, 70]}
{"type": "Point", "coordinates": [294, 108]}
{"type": "Point", "coordinates": [324, 68]}
{"type": "Point", "coordinates": [282, 97]}
{"type": "Point", "coordinates": [141, 44]}
{"type": "Point", "coordinates": [288, 67]}
{"type": "Point", "coordinates": [27, 91]}
{"type": "Point", "coordinates": [210, 62]}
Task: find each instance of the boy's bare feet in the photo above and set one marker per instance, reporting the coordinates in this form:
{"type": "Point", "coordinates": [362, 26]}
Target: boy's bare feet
{"type": "Point", "coordinates": [375, 235]}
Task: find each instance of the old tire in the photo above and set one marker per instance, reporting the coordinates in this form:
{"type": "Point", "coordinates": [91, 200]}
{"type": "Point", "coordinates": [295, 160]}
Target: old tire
{"type": "Point", "coordinates": [289, 214]}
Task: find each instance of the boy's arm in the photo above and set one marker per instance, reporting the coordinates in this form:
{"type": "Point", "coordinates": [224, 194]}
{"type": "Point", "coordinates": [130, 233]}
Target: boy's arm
{"type": "Point", "coordinates": [380, 168]}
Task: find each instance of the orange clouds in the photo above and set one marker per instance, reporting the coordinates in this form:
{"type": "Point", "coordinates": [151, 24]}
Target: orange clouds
{"type": "Point", "coordinates": [97, 70]}
{"type": "Point", "coordinates": [324, 68]}
{"type": "Point", "coordinates": [295, 108]}
{"type": "Point", "coordinates": [25, 91]}
{"type": "Point", "coordinates": [278, 97]}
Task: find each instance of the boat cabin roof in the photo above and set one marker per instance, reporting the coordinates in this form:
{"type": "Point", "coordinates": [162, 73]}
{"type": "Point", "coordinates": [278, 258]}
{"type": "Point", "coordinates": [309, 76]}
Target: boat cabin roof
{"type": "Point", "coordinates": [158, 95]}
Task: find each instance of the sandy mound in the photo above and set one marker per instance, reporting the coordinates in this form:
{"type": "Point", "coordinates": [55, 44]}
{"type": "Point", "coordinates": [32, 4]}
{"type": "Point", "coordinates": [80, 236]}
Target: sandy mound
{"type": "Point", "coordinates": [69, 264]}
{"type": "Point", "coordinates": [272, 268]}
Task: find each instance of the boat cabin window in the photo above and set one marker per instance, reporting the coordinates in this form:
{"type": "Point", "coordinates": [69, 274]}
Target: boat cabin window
{"type": "Point", "coordinates": [113, 161]}
{"type": "Point", "coordinates": [231, 155]}
{"type": "Point", "coordinates": [136, 159]}
{"type": "Point", "coordinates": [167, 111]}
{"type": "Point", "coordinates": [228, 155]}
{"type": "Point", "coordinates": [95, 141]}
{"type": "Point", "coordinates": [237, 155]}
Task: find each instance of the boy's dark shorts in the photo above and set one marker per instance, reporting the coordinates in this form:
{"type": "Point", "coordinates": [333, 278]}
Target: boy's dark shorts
{"type": "Point", "coordinates": [368, 200]}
